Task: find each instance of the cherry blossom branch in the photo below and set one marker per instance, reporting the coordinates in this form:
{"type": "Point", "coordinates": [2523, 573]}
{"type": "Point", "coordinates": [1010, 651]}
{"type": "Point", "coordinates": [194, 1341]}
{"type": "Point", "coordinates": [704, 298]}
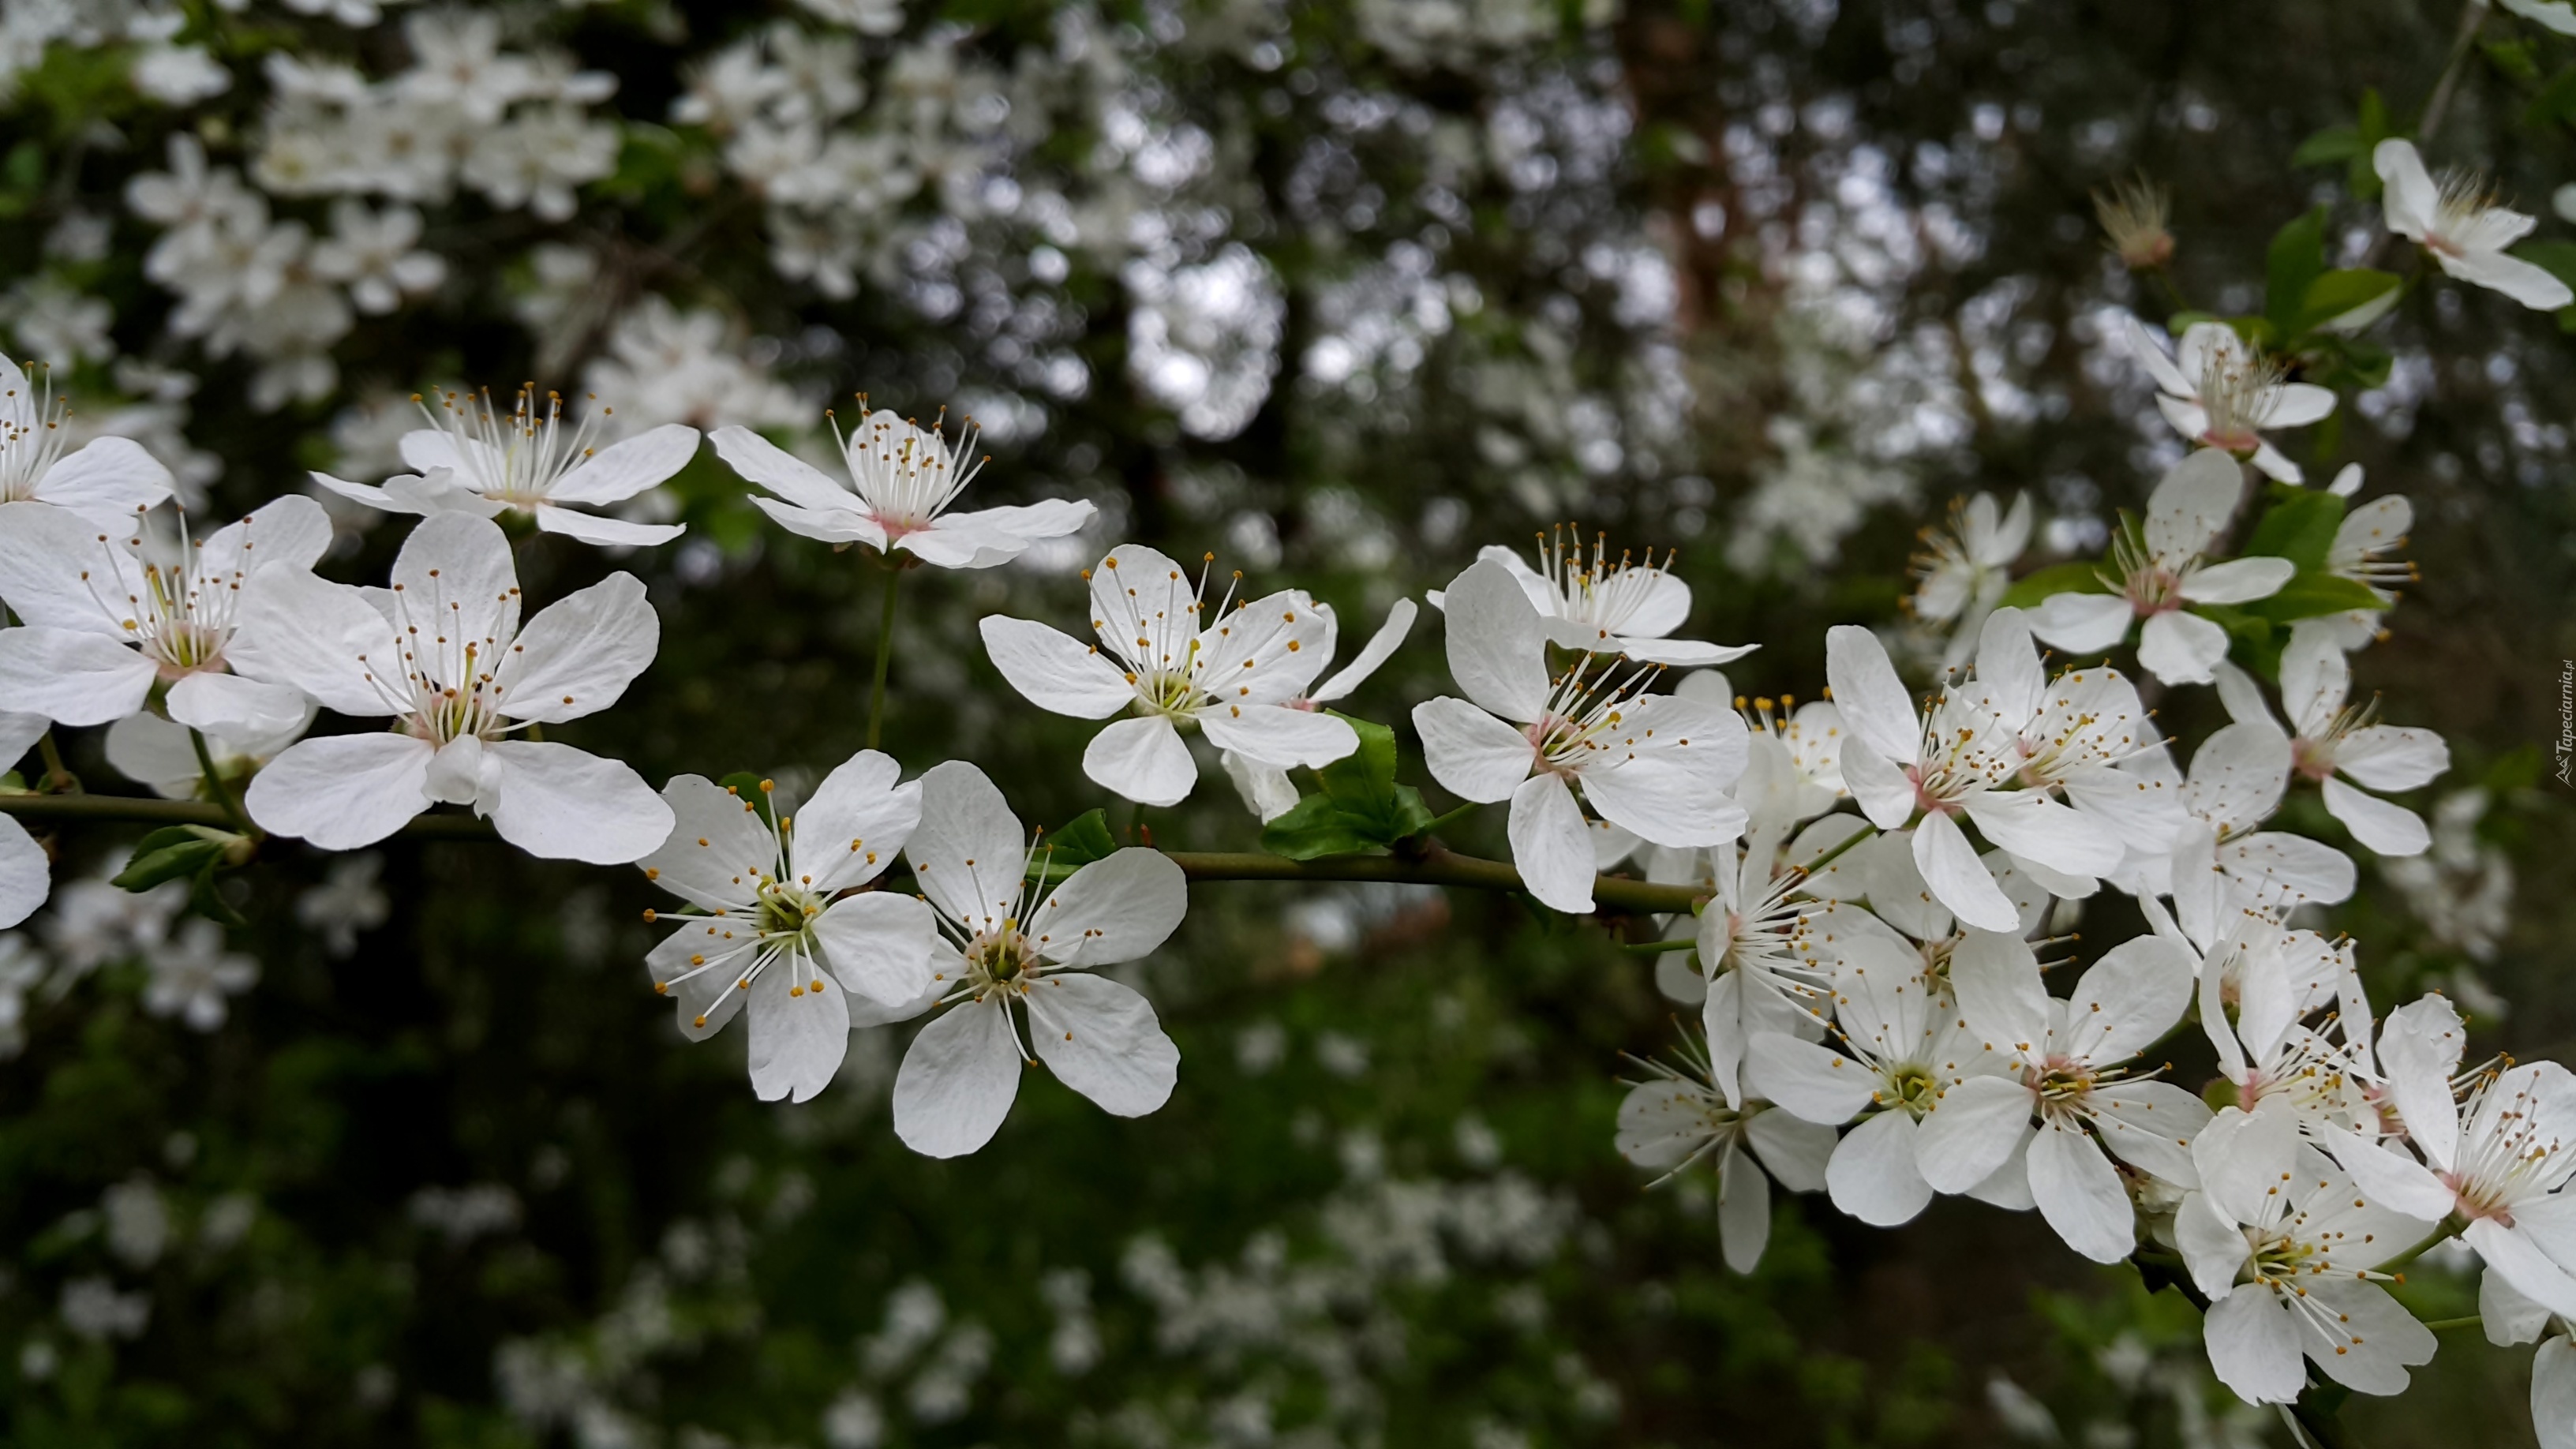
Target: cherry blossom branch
{"type": "Point", "coordinates": [83, 809]}
{"type": "Point", "coordinates": [1434, 867]}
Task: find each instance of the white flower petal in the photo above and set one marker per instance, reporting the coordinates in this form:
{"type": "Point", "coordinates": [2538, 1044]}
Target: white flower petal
{"type": "Point", "coordinates": [322, 638]}
{"type": "Point", "coordinates": [1874, 704]}
{"type": "Point", "coordinates": [251, 717]}
{"type": "Point", "coordinates": [2553, 1392]}
{"type": "Point", "coordinates": [560, 803]}
{"type": "Point", "coordinates": [836, 526]}
{"type": "Point", "coordinates": [1972, 1131]}
{"type": "Point", "coordinates": [1053, 670]}
{"type": "Point", "coordinates": [1958, 878]}
{"type": "Point", "coordinates": [855, 824]}
{"type": "Point", "coordinates": [878, 945]}
{"type": "Point", "coordinates": [717, 849]}
{"type": "Point", "coordinates": [1496, 642]}
{"type": "Point", "coordinates": [1380, 648]}
{"type": "Point", "coordinates": [578, 654]}
{"type": "Point", "coordinates": [1472, 754]}
{"type": "Point", "coordinates": [26, 876]}
{"type": "Point", "coordinates": [2190, 504]}
{"type": "Point", "coordinates": [2392, 757]}
{"type": "Point", "coordinates": [800, 1030]}
{"type": "Point", "coordinates": [1996, 977]}
{"type": "Point", "coordinates": [1102, 1040]}
{"type": "Point", "coordinates": [1143, 760]}
{"type": "Point", "coordinates": [2181, 648]}
{"type": "Point", "coordinates": [2533, 286]}
{"type": "Point", "coordinates": [2127, 999]}
{"type": "Point", "coordinates": [72, 677]}
{"type": "Point", "coordinates": [2083, 623]}
{"type": "Point", "coordinates": [606, 532]}
{"type": "Point", "coordinates": [1551, 845]}
{"type": "Point", "coordinates": [2079, 1194]}
{"type": "Point", "coordinates": [2030, 825]}
{"type": "Point", "coordinates": [2238, 581]}
{"type": "Point", "coordinates": [60, 570]}
{"type": "Point", "coordinates": [1743, 1209]}
{"type": "Point", "coordinates": [343, 791]}
{"type": "Point", "coordinates": [969, 850]}
{"type": "Point", "coordinates": [1797, 1152]}
{"type": "Point", "coordinates": [1873, 1176]}
{"type": "Point", "coordinates": [1278, 736]}
{"type": "Point", "coordinates": [762, 462]}
{"type": "Point", "coordinates": [1811, 1082]}
{"type": "Point", "coordinates": [2411, 200]}
{"type": "Point", "coordinates": [2381, 827]}
{"type": "Point", "coordinates": [628, 467]}
{"type": "Point", "coordinates": [2254, 1347]}
{"type": "Point", "coordinates": [1114, 909]}
{"type": "Point", "coordinates": [957, 1081]}
{"type": "Point", "coordinates": [108, 481]}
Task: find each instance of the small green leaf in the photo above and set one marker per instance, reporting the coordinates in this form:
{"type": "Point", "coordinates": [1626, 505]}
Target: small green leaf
{"type": "Point", "coordinates": [1312, 828]}
{"type": "Point", "coordinates": [2315, 593]}
{"type": "Point", "coordinates": [2081, 577]}
{"type": "Point", "coordinates": [2556, 101]}
{"type": "Point", "coordinates": [2297, 258]}
{"type": "Point", "coordinates": [2516, 58]}
{"type": "Point", "coordinates": [2299, 526]}
{"type": "Point", "coordinates": [1084, 839]}
{"type": "Point", "coordinates": [2346, 300]}
{"type": "Point", "coordinates": [2332, 146]}
{"type": "Point", "coordinates": [747, 787]}
{"type": "Point", "coordinates": [166, 855]}
{"type": "Point", "coordinates": [206, 898]}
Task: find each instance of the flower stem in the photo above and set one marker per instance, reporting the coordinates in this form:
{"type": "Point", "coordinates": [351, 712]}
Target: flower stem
{"type": "Point", "coordinates": [215, 786]}
{"type": "Point", "coordinates": [1651, 948]}
{"type": "Point", "coordinates": [1136, 823]}
{"type": "Point", "coordinates": [2451, 1227]}
{"type": "Point", "coordinates": [2472, 15]}
{"type": "Point", "coordinates": [1444, 821]}
{"type": "Point", "coordinates": [2441, 1325]}
{"type": "Point", "coordinates": [885, 655]}
{"type": "Point", "coordinates": [58, 778]}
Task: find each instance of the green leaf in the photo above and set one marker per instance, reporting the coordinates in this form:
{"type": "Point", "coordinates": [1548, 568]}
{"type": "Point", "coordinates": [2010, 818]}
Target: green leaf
{"type": "Point", "coordinates": [2516, 58]}
{"type": "Point", "coordinates": [206, 898]}
{"type": "Point", "coordinates": [1084, 839]}
{"type": "Point", "coordinates": [1361, 807]}
{"type": "Point", "coordinates": [749, 787]}
{"type": "Point", "coordinates": [2312, 594]}
{"type": "Point", "coordinates": [166, 855]}
{"type": "Point", "coordinates": [1312, 828]}
{"type": "Point", "coordinates": [2299, 526]}
{"type": "Point", "coordinates": [2556, 101]}
{"type": "Point", "coordinates": [2361, 177]}
{"type": "Point", "coordinates": [2346, 300]}
{"type": "Point", "coordinates": [2084, 576]}
{"type": "Point", "coordinates": [2297, 258]}
{"type": "Point", "coordinates": [2332, 146]}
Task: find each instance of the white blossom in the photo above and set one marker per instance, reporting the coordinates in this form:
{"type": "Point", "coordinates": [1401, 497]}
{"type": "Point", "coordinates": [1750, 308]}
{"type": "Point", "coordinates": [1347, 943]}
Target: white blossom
{"type": "Point", "coordinates": [478, 459]}
{"type": "Point", "coordinates": [1957, 759]}
{"type": "Point", "coordinates": [2158, 572]}
{"type": "Point", "coordinates": [192, 973]}
{"type": "Point", "coordinates": [2222, 394]}
{"type": "Point", "coordinates": [1678, 1118]}
{"type": "Point", "coordinates": [107, 622]}
{"type": "Point", "coordinates": [107, 481]}
{"type": "Point", "coordinates": [1163, 656]}
{"type": "Point", "coordinates": [2071, 1091]}
{"type": "Point", "coordinates": [2458, 221]}
{"type": "Point", "coordinates": [1265, 788]}
{"type": "Point", "coordinates": [2342, 747]}
{"type": "Point", "coordinates": [903, 477]}
{"type": "Point", "coordinates": [1590, 603]}
{"type": "Point", "coordinates": [2283, 1244]}
{"type": "Point", "coordinates": [774, 932]}
{"type": "Point", "coordinates": [1035, 949]}
{"type": "Point", "coordinates": [1658, 766]}
{"type": "Point", "coordinates": [446, 657]}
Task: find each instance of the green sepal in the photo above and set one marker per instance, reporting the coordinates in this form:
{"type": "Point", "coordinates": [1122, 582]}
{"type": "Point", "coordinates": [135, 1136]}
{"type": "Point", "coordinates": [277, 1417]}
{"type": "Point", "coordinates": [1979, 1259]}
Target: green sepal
{"type": "Point", "coordinates": [166, 855]}
{"type": "Point", "coordinates": [1084, 839]}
